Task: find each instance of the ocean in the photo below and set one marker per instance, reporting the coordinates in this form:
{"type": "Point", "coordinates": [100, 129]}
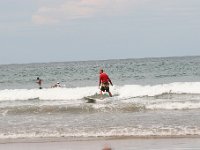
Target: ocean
{"type": "Point", "coordinates": [153, 97]}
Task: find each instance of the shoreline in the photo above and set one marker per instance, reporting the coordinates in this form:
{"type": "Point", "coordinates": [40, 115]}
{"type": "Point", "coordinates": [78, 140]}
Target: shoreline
{"type": "Point", "coordinates": [115, 144]}
{"type": "Point", "coordinates": [89, 139]}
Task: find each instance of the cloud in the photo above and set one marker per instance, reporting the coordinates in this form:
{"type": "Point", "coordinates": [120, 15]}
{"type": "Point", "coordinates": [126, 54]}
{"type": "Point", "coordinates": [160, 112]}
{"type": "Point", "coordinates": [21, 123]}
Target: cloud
{"type": "Point", "coordinates": [79, 9]}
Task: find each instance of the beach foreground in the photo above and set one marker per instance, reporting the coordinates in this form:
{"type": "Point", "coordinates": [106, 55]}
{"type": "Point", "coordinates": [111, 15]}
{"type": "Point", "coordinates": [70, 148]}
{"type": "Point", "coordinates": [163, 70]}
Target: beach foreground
{"type": "Point", "coordinates": [115, 144]}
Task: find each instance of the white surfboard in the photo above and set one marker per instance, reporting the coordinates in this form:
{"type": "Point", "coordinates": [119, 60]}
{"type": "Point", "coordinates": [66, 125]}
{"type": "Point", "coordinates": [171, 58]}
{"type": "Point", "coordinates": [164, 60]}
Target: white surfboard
{"type": "Point", "coordinates": [36, 98]}
{"type": "Point", "coordinates": [90, 100]}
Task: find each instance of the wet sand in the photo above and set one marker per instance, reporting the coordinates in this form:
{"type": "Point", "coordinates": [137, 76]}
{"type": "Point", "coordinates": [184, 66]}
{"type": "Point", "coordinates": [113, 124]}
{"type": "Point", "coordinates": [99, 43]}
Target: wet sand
{"type": "Point", "coordinates": [115, 144]}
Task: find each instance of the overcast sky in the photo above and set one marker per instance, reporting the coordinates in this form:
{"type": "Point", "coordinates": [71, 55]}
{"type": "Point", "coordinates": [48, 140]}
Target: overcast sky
{"type": "Point", "coordinates": [68, 30]}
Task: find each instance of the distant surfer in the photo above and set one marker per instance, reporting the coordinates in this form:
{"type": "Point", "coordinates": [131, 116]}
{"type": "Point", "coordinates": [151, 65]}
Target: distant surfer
{"type": "Point", "coordinates": [56, 85]}
{"type": "Point", "coordinates": [39, 82]}
{"type": "Point", "coordinates": [104, 81]}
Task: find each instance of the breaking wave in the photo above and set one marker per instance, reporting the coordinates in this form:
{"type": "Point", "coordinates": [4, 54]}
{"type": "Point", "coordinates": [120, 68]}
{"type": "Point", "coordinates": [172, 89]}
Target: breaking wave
{"type": "Point", "coordinates": [126, 91]}
{"type": "Point", "coordinates": [178, 95]}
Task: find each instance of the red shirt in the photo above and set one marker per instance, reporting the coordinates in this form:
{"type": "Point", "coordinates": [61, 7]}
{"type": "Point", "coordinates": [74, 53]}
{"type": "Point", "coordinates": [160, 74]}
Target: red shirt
{"type": "Point", "coordinates": [103, 78]}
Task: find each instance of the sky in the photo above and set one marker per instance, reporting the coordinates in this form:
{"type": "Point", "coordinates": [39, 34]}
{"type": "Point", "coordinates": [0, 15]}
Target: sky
{"type": "Point", "coordinates": [75, 30]}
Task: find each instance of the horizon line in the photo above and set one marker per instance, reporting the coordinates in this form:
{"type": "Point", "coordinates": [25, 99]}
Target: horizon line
{"type": "Point", "coordinates": [70, 61]}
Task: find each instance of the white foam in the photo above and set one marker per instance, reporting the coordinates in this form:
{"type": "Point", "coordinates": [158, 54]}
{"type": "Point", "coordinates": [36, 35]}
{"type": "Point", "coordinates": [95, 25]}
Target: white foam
{"type": "Point", "coordinates": [148, 90]}
{"type": "Point", "coordinates": [109, 132]}
{"type": "Point", "coordinates": [47, 94]}
{"type": "Point", "coordinates": [124, 92]}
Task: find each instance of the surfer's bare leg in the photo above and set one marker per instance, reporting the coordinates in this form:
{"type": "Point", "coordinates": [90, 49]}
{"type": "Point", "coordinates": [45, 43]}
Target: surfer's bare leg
{"type": "Point", "coordinates": [101, 94]}
{"type": "Point", "coordinates": [110, 94]}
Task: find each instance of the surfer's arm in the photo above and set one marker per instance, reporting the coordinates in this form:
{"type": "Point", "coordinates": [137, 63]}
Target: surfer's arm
{"type": "Point", "coordinates": [99, 81]}
{"type": "Point", "coordinates": [110, 81]}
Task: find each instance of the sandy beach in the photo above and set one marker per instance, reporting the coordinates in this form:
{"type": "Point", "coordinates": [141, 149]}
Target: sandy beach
{"type": "Point", "coordinates": [115, 144]}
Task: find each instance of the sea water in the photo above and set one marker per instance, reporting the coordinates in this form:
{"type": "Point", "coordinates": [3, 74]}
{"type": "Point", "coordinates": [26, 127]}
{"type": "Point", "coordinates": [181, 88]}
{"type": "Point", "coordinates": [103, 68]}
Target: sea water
{"type": "Point", "coordinates": [153, 97]}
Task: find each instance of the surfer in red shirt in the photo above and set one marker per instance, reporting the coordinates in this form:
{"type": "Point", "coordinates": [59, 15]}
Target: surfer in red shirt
{"type": "Point", "coordinates": [104, 81]}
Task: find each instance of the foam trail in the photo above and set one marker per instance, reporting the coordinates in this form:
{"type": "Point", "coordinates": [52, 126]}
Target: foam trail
{"type": "Point", "coordinates": [172, 106]}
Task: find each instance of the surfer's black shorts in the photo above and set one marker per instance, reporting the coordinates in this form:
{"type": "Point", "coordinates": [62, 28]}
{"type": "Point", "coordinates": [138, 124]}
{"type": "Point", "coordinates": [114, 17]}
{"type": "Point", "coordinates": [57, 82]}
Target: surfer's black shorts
{"type": "Point", "coordinates": [105, 87]}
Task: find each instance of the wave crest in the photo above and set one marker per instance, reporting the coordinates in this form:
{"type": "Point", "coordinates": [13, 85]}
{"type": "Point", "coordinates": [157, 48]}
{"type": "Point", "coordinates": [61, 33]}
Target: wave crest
{"type": "Point", "coordinates": [126, 91]}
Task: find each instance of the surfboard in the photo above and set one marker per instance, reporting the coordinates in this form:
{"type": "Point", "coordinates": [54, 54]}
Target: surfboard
{"type": "Point", "coordinates": [95, 98]}
{"type": "Point", "coordinates": [90, 100]}
{"type": "Point", "coordinates": [36, 98]}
